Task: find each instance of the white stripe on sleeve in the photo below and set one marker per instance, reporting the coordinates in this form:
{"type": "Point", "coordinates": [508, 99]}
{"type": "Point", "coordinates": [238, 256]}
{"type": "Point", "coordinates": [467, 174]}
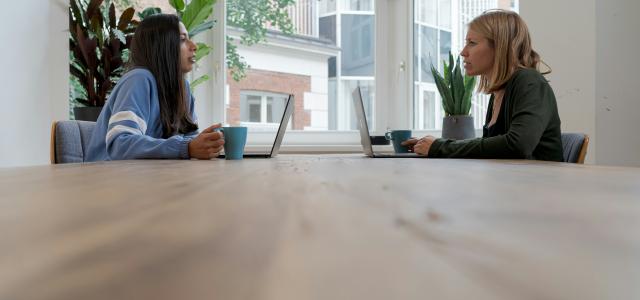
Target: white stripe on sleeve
{"type": "Point", "coordinates": [118, 129]}
{"type": "Point", "coordinates": [128, 115]}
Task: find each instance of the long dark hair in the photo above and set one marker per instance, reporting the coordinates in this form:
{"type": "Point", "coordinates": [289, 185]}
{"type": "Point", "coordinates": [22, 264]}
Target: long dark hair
{"type": "Point", "coordinates": [156, 47]}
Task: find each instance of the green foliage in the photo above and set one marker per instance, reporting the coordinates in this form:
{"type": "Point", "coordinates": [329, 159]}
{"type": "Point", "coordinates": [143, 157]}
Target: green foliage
{"type": "Point", "coordinates": [98, 45]}
{"type": "Point", "coordinates": [148, 12]}
{"type": "Point", "coordinates": [455, 89]}
{"type": "Point", "coordinates": [252, 16]}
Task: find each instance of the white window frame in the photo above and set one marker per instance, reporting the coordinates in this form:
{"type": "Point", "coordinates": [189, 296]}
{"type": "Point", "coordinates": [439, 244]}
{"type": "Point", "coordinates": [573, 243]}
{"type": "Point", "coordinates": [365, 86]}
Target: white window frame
{"type": "Point", "coordinates": [263, 108]}
{"type": "Point", "coordinates": [393, 80]}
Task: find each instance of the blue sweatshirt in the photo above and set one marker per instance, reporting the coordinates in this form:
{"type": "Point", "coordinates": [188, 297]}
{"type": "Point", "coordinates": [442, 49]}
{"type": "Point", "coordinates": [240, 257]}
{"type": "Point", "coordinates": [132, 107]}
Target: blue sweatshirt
{"type": "Point", "coordinates": [129, 126]}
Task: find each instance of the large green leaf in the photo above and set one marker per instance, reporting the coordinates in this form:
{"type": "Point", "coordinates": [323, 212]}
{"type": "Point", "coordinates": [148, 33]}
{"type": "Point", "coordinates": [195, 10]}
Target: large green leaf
{"type": "Point", "coordinates": [458, 88]}
{"type": "Point", "coordinates": [203, 50]}
{"type": "Point", "coordinates": [445, 92]}
{"type": "Point", "coordinates": [200, 28]}
{"type": "Point", "coordinates": [447, 72]}
{"type": "Point", "coordinates": [196, 13]}
{"type": "Point", "coordinates": [469, 84]}
{"type": "Point", "coordinates": [200, 80]}
{"type": "Point", "coordinates": [177, 4]}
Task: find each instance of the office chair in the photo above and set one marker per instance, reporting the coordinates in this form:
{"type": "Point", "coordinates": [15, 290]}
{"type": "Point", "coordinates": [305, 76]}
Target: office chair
{"type": "Point", "coordinates": [69, 141]}
{"type": "Point", "coordinates": [574, 147]}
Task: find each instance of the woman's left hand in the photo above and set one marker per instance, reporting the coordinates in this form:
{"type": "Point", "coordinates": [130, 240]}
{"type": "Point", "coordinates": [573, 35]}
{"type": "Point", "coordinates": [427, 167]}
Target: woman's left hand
{"type": "Point", "coordinates": [420, 146]}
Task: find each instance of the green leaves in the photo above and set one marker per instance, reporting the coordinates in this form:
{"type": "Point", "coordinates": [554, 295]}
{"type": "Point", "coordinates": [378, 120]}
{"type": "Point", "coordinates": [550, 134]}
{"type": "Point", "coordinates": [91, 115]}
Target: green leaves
{"type": "Point", "coordinates": [253, 17]}
{"type": "Point", "coordinates": [455, 89]}
{"type": "Point", "coordinates": [177, 4]}
{"type": "Point", "coordinates": [196, 13]}
{"type": "Point", "coordinates": [200, 80]}
{"type": "Point", "coordinates": [149, 11]}
{"type": "Point", "coordinates": [203, 50]}
{"type": "Point", "coordinates": [200, 28]}
{"type": "Point", "coordinates": [97, 44]}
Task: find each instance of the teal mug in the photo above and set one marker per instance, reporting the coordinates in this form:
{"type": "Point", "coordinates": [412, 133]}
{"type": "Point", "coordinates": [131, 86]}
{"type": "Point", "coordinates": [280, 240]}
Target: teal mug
{"type": "Point", "coordinates": [235, 138]}
{"type": "Point", "coordinates": [397, 137]}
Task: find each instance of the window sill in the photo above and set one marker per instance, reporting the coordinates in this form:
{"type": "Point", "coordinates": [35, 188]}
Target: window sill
{"type": "Point", "coordinates": [297, 141]}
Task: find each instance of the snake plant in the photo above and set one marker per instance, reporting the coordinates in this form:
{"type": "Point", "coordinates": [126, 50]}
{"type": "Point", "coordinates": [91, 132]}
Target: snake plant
{"type": "Point", "coordinates": [455, 89]}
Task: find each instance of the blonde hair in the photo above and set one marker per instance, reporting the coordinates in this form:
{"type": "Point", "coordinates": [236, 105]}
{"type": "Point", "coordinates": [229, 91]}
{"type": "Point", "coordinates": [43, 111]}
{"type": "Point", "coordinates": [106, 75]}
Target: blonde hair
{"type": "Point", "coordinates": [509, 36]}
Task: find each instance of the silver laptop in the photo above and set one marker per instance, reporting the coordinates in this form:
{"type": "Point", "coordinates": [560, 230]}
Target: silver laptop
{"type": "Point", "coordinates": [365, 138]}
{"type": "Point", "coordinates": [286, 116]}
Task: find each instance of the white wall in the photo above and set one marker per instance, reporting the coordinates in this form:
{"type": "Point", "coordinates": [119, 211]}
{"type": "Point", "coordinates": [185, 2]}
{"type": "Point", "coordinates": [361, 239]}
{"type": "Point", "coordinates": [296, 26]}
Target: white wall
{"type": "Point", "coordinates": [617, 82]}
{"type": "Point", "coordinates": [34, 78]}
{"type": "Point", "coordinates": [592, 47]}
{"type": "Point", "coordinates": [563, 33]}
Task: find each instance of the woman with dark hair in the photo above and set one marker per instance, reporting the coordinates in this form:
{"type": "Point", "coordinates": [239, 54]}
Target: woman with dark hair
{"type": "Point", "coordinates": [522, 119]}
{"type": "Point", "coordinates": [150, 112]}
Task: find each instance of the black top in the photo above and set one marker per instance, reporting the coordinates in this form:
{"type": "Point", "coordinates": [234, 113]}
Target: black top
{"type": "Point", "coordinates": [528, 126]}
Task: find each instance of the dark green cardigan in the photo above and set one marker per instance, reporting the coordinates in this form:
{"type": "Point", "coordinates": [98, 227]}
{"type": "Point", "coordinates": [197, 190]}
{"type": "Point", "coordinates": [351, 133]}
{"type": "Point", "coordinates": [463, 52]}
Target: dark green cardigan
{"type": "Point", "coordinates": [532, 125]}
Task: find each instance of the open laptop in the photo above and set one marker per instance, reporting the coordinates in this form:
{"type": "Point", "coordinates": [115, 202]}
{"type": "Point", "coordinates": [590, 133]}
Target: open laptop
{"type": "Point", "coordinates": [286, 116]}
{"type": "Point", "coordinates": [365, 138]}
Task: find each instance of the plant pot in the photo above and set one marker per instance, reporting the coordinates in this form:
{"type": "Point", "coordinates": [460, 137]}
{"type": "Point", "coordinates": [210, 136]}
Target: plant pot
{"type": "Point", "coordinates": [89, 113]}
{"type": "Point", "coordinates": [458, 127]}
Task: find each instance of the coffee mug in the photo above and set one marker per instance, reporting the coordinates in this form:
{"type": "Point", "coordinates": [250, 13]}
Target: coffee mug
{"type": "Point", "coordinates": [397, 137]}
{"type": "Point", "coordinates": [235, 139]}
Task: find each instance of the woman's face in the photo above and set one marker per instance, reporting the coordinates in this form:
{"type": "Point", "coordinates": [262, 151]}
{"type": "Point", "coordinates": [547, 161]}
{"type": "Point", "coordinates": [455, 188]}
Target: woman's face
{"type": "Point", "coordinates": [187, 50]}
{"type": "Point", "coordinates": [478, 55]}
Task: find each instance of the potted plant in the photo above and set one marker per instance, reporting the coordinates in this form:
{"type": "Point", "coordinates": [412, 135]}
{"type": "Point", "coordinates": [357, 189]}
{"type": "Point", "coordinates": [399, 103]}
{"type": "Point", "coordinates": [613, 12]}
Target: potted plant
{"type": "Point", "coordinates": [456, 91]}
{"type": "Point", "coordinates": [98, 45]}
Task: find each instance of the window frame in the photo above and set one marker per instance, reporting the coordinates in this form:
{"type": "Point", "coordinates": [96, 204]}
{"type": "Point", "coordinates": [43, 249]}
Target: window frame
{"type": "Point", "coordinates": [263, 106]}
{"type": "Point", "coordinates": [393, 64]}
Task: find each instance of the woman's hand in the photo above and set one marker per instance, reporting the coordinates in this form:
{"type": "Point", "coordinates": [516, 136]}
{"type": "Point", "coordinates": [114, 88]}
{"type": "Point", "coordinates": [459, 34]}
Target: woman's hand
{"type": "Point", "coordinates": [207, 144]}
{"type": "Point", "coordinates": [419, 146]}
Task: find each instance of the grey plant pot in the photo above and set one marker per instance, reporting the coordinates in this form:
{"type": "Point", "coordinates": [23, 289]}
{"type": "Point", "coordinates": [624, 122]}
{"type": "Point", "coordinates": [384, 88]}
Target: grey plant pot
{"type": "Point", "coordinates": [458, 127]}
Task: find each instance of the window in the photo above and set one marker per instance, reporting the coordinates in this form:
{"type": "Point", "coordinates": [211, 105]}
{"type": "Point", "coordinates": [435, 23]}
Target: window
{"type": "Point", "coordinates": [261, 108]}
{"type": "Point", "coordinates": [358, 5]}
{"type": "Point", "coordinates": [332, 49]}
{"type": "Point", "coordinates": [328, 52]}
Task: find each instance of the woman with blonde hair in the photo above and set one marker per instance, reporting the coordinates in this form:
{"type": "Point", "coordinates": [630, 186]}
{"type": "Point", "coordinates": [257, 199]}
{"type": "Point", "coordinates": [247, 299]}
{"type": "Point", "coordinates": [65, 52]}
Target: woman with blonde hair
{"type": "Point", "coordinates": [522, 119]}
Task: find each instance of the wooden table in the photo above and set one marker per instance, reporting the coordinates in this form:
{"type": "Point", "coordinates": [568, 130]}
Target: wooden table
{"type": "Point", "coordinates": [320, 227]}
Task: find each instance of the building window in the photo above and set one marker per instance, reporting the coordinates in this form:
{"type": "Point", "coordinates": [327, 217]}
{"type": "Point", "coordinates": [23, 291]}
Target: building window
{"type": "Point", "coordinates": [261, 107]}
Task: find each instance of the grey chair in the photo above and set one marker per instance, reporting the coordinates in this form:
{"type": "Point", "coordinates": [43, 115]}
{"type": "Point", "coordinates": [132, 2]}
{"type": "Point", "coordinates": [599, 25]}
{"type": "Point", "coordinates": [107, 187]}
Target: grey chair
{"type": "Point", "coordinates": [69, 141]}
{"type": "Point", "coordinates": [574, 147]}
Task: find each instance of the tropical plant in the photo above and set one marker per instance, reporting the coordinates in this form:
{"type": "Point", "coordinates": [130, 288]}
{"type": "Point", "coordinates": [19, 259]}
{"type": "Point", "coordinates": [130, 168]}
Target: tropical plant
{"type": "Point", "coordinates": [454, 88]}
{"type": "Point", "coordinates": [98, 45]}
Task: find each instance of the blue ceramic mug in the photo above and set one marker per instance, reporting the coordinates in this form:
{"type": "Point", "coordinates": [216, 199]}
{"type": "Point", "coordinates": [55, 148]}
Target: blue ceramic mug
{"type": "Point", "coordinates": [235, 139]}
{"type": "Point", "coordinates": [397, 137]}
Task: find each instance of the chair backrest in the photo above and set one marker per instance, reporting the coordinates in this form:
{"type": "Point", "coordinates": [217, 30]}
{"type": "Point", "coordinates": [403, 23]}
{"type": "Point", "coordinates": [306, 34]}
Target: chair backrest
{"type": "Point", "coordinates": [574, 147]}
{"type": "Point", "coordinates": [69, 141]}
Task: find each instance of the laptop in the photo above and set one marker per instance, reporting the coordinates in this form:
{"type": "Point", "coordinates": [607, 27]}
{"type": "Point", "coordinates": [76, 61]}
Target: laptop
{"type": "Point", "coordinates": [286, 116]}
{"type": "Point", "coordinates": [365, 138]}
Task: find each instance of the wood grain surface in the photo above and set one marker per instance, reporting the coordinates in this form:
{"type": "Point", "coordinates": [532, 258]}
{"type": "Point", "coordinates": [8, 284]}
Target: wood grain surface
{"type": "Point", "coordinates": [320, 227]}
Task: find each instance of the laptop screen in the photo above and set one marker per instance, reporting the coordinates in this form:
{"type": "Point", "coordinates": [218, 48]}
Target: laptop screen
{"type": "Point", "coordinates": [286, 116]}
{"type": "Point", "coordinates": [365, 139]}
